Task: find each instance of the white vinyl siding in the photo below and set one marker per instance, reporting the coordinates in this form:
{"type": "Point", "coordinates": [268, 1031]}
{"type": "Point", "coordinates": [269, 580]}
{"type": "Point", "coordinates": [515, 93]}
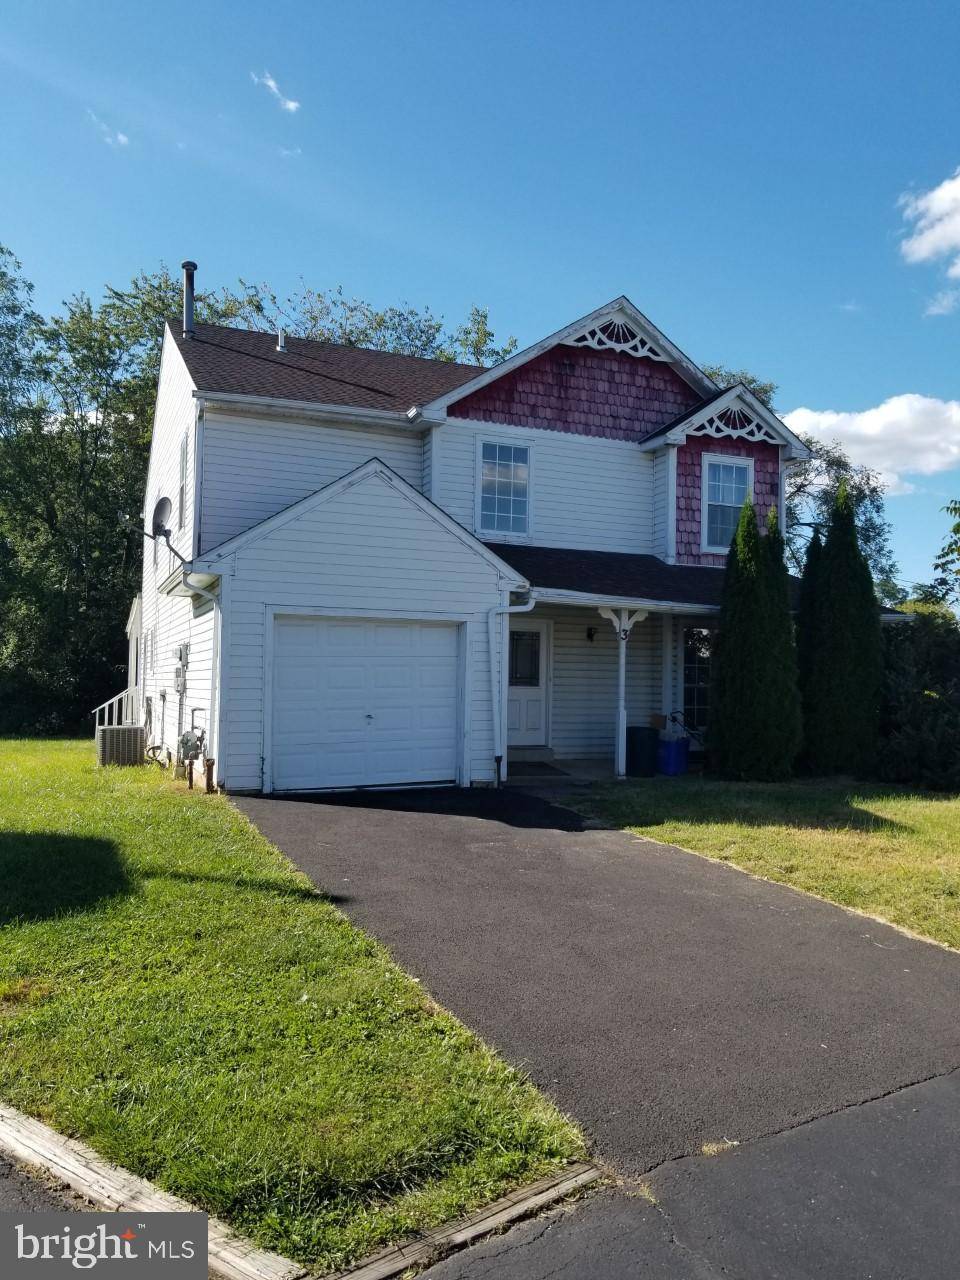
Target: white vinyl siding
{"type": "Point", "coordinates": [255, 467]}
{"type": "Point", "coordinates": [585, 491]}
{"type": "Point", "coordinates": [583, 706]}
{"type": "Point", "coordinates": [383, 558]}
{"type": "Point", "coordinates": [169, 621]}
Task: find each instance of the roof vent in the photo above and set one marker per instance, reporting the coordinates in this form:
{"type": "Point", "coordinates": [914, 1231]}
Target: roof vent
{"type": "Point", "coordinates": [281, 340]}
{"type": "Point", "coordinates": [188, 269]}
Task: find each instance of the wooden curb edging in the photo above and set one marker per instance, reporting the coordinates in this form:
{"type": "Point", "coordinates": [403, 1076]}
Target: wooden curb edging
{"type": "Point", "coordinates": [431, 1246]}
{"type": "Point", "coordinates": [115, 1189]}
{"type": "Point", "coordinates": [231, 1256]}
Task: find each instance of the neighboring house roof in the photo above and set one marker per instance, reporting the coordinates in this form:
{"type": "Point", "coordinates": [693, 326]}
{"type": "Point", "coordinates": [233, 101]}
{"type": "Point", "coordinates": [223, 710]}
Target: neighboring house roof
{"type": "Point", "coordinates": [243, 362]}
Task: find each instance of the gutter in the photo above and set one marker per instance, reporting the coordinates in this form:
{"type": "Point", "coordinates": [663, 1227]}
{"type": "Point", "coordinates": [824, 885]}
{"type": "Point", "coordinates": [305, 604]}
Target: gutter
{"type": "Point", "coordinates": [214, 655]}
{"type": "Point", "coordinates": [496, 702]}
{"type": "Point", "coordinates": [230, 400]}
{"type": "Point", "coordinates": [591, 600]}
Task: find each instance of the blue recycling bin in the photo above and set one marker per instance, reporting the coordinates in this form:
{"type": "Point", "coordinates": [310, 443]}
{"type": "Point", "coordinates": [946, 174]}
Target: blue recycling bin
{"type": "Point", "coordinates": [673, 756]}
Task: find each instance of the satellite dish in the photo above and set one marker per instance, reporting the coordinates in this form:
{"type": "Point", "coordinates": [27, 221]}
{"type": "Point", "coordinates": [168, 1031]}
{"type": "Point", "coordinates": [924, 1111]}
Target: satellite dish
{"type": "Point", "coordinates": [161, 517]}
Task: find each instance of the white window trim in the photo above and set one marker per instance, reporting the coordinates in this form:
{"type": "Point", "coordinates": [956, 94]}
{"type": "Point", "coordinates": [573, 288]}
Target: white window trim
{"type": "Point", "coordinates": [182, 486]}
{"type": "Point", "coordinates": [705, 459]}
{"type": "Point", "coordinates": [500, 535]}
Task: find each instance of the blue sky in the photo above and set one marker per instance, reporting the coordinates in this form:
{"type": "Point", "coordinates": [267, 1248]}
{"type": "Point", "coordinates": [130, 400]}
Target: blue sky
{"type": "Point", "coordinates": [738, 170]}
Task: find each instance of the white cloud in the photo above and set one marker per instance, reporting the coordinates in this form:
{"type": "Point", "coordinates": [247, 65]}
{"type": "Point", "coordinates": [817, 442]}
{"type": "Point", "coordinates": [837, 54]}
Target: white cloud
{"type": "Point", "coordinates": [906, 435]}
{"type": "Point", "coordinates": [943, 303]}
{"type": "Point", "coordinates": [112, 137]}
{"type": "Point", "coordinates": [268, 82]}
{"type": "Point", "coordinates": [290, 153]}
{"type": "Point", "coordinates": [934, 218]}
{"type": "Point", "coordinates": [849, 306]}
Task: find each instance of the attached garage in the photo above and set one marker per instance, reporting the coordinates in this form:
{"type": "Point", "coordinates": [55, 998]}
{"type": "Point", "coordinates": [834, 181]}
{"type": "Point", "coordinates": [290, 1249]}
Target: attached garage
{"type": "Point", "coordinates": [364, 702]}
{"type": "Point", "coordinates": [356, 643]}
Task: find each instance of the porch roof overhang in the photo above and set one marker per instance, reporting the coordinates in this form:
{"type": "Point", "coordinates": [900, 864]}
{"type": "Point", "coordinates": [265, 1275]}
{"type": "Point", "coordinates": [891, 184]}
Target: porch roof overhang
{"type": "Point", "coordinates": [621, 580]}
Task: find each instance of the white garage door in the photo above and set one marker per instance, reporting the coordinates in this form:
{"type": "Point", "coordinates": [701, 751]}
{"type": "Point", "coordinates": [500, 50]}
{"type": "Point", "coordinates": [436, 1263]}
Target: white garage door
{"type": "Point", "coordinates": [359, 703]}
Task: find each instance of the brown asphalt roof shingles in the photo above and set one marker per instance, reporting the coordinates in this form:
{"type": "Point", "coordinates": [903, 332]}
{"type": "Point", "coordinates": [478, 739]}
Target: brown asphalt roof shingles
{"type": "Point", "coordinates": [244, 362]}
{"type": "Point", "coordinates": [615, 573]}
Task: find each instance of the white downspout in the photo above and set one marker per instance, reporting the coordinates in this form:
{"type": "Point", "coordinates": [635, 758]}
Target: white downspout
{"type": "Point", "coordinates": [496, 706]}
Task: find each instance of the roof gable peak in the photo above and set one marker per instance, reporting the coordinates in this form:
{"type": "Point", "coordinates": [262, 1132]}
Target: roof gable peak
{"type": "Point", "coordinates": [735, 413]}
{"type": "Point", "coordinates": [617, 325]}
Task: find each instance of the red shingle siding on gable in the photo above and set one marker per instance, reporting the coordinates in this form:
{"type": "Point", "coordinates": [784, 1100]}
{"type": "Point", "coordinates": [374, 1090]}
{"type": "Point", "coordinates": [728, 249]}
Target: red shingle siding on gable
{"type": "Point", "coordinates": [575, 389]}
{"type": "Point", "coordinates": [766, 489]}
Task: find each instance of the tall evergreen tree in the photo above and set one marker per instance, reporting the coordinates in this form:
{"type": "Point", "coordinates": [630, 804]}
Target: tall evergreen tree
{"type": "Point", "coordinates": [783, 694]}
{"type": "Point", "coordinates": [809, 619]}
{"type": "Point", "coordinates": [754, 721]}
{"type": "Point", "coordinates": [841, 652]}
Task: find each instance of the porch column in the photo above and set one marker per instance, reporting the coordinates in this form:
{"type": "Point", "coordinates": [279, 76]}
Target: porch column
{"type": "Point", "coordinates": [623, 623]}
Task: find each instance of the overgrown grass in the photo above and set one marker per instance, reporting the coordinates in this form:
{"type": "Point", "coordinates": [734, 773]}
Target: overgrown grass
{"type": "Point", "coordinates": [879, 849]}
{"type": "Point", "coordinates": [174, 993]}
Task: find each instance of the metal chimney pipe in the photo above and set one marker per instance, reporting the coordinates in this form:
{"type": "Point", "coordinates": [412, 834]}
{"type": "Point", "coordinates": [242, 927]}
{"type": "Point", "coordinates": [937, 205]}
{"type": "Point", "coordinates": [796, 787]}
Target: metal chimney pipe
{"type": "Point", "coordinates": [188, 269]}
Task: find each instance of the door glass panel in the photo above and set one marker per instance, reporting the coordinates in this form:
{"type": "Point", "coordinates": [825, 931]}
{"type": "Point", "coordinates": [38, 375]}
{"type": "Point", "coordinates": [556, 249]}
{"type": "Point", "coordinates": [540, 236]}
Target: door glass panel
{"type": "Point", "coordinates": [525, 659]}
{"type": "Point", "coordinates": [697, 646]}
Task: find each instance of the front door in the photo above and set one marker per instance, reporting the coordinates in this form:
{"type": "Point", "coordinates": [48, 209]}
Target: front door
{"type": "Point", "coordinates": [529, 660]}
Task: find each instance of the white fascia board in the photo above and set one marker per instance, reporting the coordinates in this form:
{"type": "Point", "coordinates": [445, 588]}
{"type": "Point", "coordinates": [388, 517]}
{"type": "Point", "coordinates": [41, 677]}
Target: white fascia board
{"type": "Point", "coordinates": [689, 371]}
{"type": "Point", "coordinates": [134, 613]}
{"type": "Point", "coordinates": [213, 559]}
{"type": "Point", "coordinates": [590, 600]}
{"type": "Point", "coordinates": [275, 407]}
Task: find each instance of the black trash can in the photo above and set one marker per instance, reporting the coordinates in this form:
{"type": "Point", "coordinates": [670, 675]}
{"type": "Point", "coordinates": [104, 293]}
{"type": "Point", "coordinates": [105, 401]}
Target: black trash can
{"type": "Point", "coordinates": [642, 751]}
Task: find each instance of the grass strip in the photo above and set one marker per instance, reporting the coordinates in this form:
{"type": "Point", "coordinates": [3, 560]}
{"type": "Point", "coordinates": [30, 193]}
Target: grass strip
{"type": "Point", "coordinates": [176, 994]}
{"type": "Point", "coordinates": [881, 849]}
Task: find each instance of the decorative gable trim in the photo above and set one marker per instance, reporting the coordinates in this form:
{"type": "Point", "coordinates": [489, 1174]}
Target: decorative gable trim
{"type": "Point", "coordinates": [737, 423]}
{"type": "Point", "coordinates": [736, 414]}
{"type": "Point", "coordinates": [617, 334]}
{"type": "Point", "coordinates": [602, 329]}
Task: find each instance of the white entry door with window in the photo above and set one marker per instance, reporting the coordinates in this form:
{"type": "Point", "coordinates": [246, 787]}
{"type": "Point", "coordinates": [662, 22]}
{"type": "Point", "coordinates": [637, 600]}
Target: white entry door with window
{"type": "Point", "coordinates": [528, 683]}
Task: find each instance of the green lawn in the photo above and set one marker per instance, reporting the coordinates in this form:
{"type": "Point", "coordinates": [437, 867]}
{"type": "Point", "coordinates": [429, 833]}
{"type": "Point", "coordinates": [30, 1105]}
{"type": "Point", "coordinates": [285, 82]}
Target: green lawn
{"type": "Point", "coordinates": [880, 849]}
{"type": "Point", "coordinates": [174, 993]}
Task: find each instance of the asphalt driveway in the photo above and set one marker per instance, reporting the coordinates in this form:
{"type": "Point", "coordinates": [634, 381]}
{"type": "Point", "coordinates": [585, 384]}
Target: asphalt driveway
{"type": "Point", "coordinates": [663, 1000]}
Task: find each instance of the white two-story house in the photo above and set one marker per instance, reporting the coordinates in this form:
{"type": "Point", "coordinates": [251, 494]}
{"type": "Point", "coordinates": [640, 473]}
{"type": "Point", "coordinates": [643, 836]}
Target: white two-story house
{"type": "Point", "coordinates": [394, 571]}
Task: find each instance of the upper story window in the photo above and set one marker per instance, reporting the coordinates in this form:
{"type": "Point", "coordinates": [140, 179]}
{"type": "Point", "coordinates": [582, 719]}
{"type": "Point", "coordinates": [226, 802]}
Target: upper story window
{"type": "Point", "coordinates": [727, 482]}
{"type": "Point", "coordinates": [504, 488]}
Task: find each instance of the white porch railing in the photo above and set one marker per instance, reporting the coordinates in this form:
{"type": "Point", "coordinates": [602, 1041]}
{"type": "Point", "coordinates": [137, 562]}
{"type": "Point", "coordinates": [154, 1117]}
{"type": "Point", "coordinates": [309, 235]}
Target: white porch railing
{"type": "Point", "coordinates": [123, 709]}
